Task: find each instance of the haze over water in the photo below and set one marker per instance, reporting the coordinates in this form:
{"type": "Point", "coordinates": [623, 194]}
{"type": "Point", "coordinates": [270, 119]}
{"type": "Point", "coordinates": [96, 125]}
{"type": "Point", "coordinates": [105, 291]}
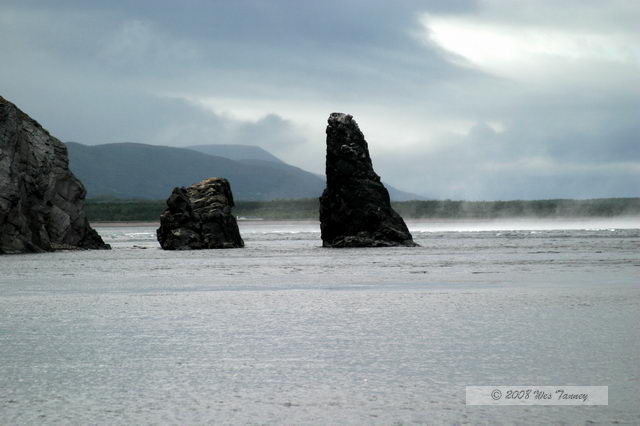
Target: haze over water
{"type": "Point", "coordinates": [285, 331]}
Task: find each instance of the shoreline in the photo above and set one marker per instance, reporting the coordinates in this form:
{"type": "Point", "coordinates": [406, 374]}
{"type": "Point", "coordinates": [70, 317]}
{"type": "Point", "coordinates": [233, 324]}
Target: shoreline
{"type": "Point", "coordinates": [129, 223]}
{"type": "Point", "coordinates": [616, 221]}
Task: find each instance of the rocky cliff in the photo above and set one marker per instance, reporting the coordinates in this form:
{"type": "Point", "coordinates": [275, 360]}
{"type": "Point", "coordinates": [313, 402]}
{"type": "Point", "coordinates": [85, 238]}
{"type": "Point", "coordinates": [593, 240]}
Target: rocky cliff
{"type": "Point", "coordinates": [41, 201]}
{"type": "Point", "coordinates": [355, 210]}
{"type": "Point", "coordinates": [199, 217]}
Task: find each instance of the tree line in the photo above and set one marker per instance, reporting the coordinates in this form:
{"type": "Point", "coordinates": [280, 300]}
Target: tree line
{"type": "Point", "coordinates": [149, 210]}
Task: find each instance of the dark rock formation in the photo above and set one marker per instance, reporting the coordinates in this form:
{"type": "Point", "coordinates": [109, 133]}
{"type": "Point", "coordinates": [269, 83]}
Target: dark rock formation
{"type": "Point", "coordinates": [355, 210]}
{"type": "Point", "coordinates": [41, 201]}
{"type": "Point", "coordinates": [199, 217]}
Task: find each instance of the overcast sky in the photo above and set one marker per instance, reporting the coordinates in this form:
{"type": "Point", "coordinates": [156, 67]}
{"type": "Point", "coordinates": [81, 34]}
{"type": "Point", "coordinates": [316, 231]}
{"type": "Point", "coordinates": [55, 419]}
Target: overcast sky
{"type": "Point", "coordinates": [457, 99]}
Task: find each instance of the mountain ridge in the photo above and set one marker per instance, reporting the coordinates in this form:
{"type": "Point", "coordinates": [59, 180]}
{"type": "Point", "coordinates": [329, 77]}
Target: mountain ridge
{"type": "Point", "coordinates": [236, 152]}
{"type": "Point", "coordinates": [131, 170]}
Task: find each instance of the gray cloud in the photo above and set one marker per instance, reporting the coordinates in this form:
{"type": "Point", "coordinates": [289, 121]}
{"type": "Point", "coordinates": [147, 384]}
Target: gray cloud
{"type": "Point", "coordinates": [268, 73]}
{"type": "Point", "coordinates": [546, 156]}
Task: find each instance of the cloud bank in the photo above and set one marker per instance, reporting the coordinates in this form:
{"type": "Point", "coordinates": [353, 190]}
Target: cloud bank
{"type": "Point", "coordinates": [458, 99]}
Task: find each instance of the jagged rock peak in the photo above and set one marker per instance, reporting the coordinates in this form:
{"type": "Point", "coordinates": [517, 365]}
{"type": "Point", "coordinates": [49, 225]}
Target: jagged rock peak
{"type": "Point", "coordinates": [355, 209]}
{"type": "Point", "coordinates": [41, 201]}
{"type": "Point", "coordinates": [199, 217]}
{"type": "Point", "coordinates": [347, 149]}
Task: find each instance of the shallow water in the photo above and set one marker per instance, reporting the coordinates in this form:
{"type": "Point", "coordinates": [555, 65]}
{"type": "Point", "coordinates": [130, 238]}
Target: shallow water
{"type": "Point", "coordinates": [285, 331]}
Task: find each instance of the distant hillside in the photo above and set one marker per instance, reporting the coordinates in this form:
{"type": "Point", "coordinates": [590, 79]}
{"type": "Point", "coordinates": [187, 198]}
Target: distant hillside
{"type": "Point", "coordinates": [131, 170]}
{"type": "Point", "coordinates": [237, 152]}
{"type": "Point", "coordinates": [139, 171]}
{"type": "Point", "coordinates": [397, 195]}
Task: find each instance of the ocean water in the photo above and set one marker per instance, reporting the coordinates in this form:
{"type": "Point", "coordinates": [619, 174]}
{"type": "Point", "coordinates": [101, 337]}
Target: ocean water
{"type": "Point", "coordinates": [287, 332]}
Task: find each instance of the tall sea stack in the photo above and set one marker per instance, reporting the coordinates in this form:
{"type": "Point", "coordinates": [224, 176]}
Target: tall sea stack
{"type": "Point", "coordinates": [41, 201]}
{"type": "Point", "coordinates": [355, 210]}
{"type": "Point", "coordinates": [199, 217]}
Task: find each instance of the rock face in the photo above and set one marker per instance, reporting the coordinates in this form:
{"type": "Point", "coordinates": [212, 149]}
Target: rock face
{"type": "Point", "coordinates": [199, 217]}
{"type": "Point", "coordinates": [41, 201]}
{"type": "Point", "coordinates": [355, 210]}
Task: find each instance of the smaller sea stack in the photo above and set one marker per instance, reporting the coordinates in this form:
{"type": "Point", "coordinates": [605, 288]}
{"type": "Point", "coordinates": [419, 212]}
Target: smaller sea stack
{"type": "Point", "coordinates": [199, 217]}
{"type": "Point", "coordinates": [355, 209]}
